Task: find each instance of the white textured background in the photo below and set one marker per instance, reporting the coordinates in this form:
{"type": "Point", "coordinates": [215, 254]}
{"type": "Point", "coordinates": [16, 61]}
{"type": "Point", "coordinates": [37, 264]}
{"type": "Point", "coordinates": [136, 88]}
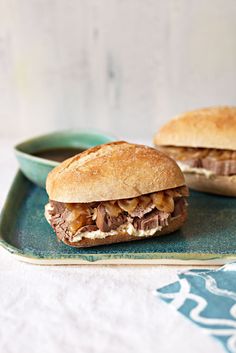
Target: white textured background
{"type": "Point", "coordinates": [124, 66]}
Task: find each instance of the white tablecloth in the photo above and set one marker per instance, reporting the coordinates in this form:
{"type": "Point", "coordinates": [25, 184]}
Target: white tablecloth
{"type": "Point", "coordinates": [87, 308]}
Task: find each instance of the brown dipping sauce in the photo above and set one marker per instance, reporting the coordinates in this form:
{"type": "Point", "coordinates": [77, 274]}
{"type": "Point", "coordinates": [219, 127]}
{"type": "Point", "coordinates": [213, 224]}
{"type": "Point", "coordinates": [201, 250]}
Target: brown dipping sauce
{"type": "Point", "coordinates": [58, 154]}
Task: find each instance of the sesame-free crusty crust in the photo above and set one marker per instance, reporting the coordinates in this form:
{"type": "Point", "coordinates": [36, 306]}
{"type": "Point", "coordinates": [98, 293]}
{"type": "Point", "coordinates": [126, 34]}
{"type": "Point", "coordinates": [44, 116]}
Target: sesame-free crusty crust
{"type": "Point", "coordinates": [113, 171]}
{"type": "Point", "coordinates": [209, 128]}
{"type": "Point", "coordinates": [215, 184]}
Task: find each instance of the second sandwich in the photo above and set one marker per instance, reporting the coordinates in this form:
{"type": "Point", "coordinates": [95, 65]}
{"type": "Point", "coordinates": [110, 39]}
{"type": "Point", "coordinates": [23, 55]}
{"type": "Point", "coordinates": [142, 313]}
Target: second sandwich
{"type": "Point", "coordinates": [203, 143]}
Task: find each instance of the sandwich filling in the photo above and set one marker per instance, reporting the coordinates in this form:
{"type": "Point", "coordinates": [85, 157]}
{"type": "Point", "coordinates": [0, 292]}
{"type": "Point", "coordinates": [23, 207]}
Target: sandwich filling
{"type": "Point", "coordinates": [139, 216]}
{"type": "Point", "coordinates": [207, 161]}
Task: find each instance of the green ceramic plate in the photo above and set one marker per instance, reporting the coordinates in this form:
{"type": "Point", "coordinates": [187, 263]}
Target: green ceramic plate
{"type": "Point", "coordinates": [208, 237]}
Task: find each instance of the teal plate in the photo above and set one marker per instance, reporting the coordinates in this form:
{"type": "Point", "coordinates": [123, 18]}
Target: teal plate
{"type": "Point", "coordinates": [208, 237]}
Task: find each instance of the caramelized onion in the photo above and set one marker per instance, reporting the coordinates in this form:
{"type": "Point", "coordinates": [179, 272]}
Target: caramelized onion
{"type": "Point", "coordinates": [70, 206]}
{"type": "Point", "coordinates": [112, 208]}
{"type": "Point", "coordinates": [144, 201]}
{"type": "Point", "coordinates": [78, 217]}
{"type": "Point", "coordinates": [128, 205]}
{"type": "Point", "coordinates": [184, 190]}
{"type": "Point", "coordinates": [84, 214]}
{"type": "Point", "coordinates": [173, 193]}
{"type": "Point", "coordinates": [177, 192]}
{"type": "Point", "coordinates": [163, 202]}
{"type": "Point", "coordinates": [77, 224]}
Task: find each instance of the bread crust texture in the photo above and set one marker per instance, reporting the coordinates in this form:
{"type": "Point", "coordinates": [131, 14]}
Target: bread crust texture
{"type": "Point", "coordinates": [117, 170]}
{"type": "Point", "coordinates": [213, 127]}
{"type": "Point", "coordinates": [215, 184]}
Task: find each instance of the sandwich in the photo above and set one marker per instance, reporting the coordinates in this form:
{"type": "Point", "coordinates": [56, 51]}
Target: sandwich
{"type": "Point", "coordinates": [116, 192]}
{"type": "Point", "coordinates": [203, 143]}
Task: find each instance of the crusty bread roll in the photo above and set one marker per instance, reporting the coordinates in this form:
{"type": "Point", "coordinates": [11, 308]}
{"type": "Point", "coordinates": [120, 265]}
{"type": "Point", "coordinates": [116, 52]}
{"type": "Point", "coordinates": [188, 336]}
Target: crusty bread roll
{"type": "Point", "coordinates": [210, 128]}
{"type": "Point", "coordinates": [175, 224]}
{"type": "Point", "coordinates": [214, 184]}
{"type": "Point", "coordinates": [113, 171]}
{"type": "Point", "coordinates": [113, 193]}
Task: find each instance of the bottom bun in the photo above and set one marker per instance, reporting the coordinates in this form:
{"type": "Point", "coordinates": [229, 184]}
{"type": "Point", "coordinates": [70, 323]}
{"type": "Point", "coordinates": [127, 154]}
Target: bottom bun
{"type": "Point", "coordinates": [175, 224]}
{"type": "Point", "coordinates": [214, 184]}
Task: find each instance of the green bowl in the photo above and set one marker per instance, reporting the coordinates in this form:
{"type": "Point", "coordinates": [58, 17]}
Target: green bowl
{"type": "Point", "coordinates": [35, 168]}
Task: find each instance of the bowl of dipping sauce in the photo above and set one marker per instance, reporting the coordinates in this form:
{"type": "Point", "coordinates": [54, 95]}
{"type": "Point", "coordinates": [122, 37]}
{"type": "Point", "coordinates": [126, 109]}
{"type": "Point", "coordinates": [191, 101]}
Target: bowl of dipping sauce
{"type": "Point", "coordinates": [39, 155]}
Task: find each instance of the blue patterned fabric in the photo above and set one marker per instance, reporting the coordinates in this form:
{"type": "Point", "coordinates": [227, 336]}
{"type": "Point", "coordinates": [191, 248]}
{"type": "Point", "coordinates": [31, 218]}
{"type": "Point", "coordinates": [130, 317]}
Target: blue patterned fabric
{"type": "Point", "coordinates": [208, 298]}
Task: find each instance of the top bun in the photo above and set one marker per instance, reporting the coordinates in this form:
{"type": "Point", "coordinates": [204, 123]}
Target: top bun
{"type": "Point", "coordinates": [210, 128]}
{"type": "Point", "coordinates": [113, 171]}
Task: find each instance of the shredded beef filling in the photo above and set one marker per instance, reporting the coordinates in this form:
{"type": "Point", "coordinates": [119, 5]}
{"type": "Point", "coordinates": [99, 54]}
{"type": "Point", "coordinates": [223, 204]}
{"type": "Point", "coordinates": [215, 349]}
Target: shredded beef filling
{"type": "Point", "coordinates": [220, 162]}
{"type": "Point", "coordinates": [69, 220]}
{"type": "Point", "coordinates": [105, 222]}
{"type": "Point", "coordinates": [151, 220]}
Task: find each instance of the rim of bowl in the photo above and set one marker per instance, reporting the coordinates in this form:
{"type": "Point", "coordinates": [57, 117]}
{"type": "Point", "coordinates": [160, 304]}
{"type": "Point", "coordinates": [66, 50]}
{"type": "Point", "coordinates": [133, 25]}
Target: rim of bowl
{"type": "Point", "coordinates": [18, 148]}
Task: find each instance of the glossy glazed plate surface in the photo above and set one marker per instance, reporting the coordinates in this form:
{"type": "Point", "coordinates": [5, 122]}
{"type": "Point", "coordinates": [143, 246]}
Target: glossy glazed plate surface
{"type": "Point", "coordinates": [208, 237]}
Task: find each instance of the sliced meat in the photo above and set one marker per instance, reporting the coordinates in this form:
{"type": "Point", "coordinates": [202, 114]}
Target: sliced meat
{"type": "Point", "coordinates": [147, 219]}
{"type": "Point", "coordinates": [193, 163]}
{"type": "Point", "coordinates": [61, 226]}
{"type": "Point", "coordinates": [57, 207]}
{"type": "Point", "coordinates": [220, 162]}
{"type": "Point", "coordinates": [219, 167]}
{"type": "Point", "coordinates": [105, 222]}
{"type": "Point", "coordinates": [180, 206]}
{"type": "Point", "coordinates": [59, 214]}
{"type": "Point", "coordinates": [101, 220]}
{"type": "Point", "coordinates": [152, 220]}
{"type": "Point", "coordinates": [140, 211]}
{"type": "Point", "coordinates": [164, 219]}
